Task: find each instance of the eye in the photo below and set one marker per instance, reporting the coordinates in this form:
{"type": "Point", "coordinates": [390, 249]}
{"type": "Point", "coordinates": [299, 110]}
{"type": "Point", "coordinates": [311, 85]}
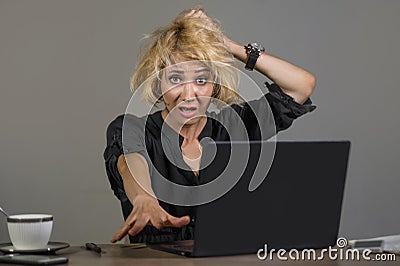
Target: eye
{"type": "Point", "coordinates": [175, 80]}
{"type": "Point", "coordinates": [201, 81]}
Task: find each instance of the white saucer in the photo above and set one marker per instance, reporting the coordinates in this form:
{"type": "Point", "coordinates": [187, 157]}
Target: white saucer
{"type": "Point", "coordinates": [51, 248]}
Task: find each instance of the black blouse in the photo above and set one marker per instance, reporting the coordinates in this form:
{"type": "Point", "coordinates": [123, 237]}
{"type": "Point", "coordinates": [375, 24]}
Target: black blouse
{"type": "Point", "coordinates": [284, 110]}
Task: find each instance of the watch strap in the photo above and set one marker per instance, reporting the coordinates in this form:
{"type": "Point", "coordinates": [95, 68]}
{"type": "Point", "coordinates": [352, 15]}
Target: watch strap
{"type": "Point", "coordinates": [251, 61]}
{"type": "Point", "coordinates": [253, 50]}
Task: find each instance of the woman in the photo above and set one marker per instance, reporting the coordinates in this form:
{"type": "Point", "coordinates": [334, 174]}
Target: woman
{"type": "Point", "coordinates": [186, 88]}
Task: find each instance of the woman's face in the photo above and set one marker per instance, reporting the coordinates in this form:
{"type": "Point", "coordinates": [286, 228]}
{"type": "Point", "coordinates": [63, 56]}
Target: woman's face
{"type": "Point", "coordinates": [187, 88]}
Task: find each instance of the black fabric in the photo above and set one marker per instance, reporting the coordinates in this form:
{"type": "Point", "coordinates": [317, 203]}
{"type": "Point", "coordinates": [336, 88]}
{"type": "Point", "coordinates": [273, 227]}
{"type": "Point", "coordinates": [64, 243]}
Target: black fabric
{"type": "Point", "coordinates": [284, 110]}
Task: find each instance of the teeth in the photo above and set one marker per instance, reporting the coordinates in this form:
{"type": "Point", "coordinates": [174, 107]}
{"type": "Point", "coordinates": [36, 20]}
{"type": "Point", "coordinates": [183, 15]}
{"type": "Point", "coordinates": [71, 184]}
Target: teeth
{"type": "Point", "coordinates": [187, 109]}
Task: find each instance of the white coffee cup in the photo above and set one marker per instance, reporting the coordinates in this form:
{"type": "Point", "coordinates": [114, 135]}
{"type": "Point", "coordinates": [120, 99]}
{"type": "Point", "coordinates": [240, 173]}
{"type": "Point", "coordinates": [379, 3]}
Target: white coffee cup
{"type": "Point", "coordinates": [30, 231]}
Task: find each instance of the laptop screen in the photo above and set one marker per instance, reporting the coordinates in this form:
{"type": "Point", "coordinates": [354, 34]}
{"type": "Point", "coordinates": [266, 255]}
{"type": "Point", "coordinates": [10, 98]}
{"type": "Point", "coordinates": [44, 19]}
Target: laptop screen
{"type": "Point", "coordinates": [297, 204]}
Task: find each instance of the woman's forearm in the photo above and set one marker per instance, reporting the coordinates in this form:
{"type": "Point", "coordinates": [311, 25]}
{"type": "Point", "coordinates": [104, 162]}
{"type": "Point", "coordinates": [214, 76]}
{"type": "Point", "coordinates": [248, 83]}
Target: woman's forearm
{"type": "Point", "coordinates": [293, 80]}
{"type": "Point", "coordinates": [136, 177]}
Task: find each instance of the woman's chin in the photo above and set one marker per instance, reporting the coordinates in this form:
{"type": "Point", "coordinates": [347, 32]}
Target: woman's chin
{"type": "Point", "coordinates": [189, 120]}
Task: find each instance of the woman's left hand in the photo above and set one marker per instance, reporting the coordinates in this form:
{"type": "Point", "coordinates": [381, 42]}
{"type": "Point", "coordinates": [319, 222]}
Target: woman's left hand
{"type": "Point", "coordinates": [200, 13]}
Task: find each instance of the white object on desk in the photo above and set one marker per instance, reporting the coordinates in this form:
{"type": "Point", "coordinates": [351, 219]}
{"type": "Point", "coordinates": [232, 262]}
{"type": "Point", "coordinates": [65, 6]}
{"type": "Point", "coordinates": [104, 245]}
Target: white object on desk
{"type": "Point", "coordinates": [391, 243]}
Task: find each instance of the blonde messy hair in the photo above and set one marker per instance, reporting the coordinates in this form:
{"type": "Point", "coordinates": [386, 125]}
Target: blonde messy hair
{"type": "Point", "coordinates": [192, 39]}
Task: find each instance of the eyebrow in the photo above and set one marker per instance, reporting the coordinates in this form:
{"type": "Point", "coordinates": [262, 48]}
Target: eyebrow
{"type": "Point", "coordinates": [176, 71]}
{"type": "Point", "coordinates": [196, 71]}
{"type": "Point", "coordinates": [202, 70]}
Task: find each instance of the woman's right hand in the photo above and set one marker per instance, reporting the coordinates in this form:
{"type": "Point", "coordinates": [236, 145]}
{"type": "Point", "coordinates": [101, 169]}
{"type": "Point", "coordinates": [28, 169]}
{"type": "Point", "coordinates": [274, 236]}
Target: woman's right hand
{"type": "Point", "coordinates": [147, 211]}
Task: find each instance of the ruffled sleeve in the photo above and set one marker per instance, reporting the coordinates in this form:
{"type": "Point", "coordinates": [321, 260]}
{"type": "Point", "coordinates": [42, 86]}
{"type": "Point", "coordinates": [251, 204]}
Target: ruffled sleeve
{"type": "Point", "coordinates": [262, 117]}
{"type": "Point", "coordinates": [284, 108]}
{"type": "Point", "coordinates": [113, 150]}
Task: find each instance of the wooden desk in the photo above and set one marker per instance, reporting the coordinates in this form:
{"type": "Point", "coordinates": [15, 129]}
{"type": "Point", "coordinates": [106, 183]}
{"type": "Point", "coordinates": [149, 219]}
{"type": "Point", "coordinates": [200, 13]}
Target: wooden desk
{"type": "Point", "coordinates": [129, 255]}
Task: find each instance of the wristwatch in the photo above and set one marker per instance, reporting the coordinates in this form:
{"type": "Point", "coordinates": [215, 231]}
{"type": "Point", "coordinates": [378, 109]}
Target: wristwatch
{"type": "Point", "coordinates": [253, 50]}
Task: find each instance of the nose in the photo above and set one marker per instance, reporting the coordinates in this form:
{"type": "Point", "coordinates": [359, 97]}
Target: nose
{"type": "Point", "coordinates": [188, 91]}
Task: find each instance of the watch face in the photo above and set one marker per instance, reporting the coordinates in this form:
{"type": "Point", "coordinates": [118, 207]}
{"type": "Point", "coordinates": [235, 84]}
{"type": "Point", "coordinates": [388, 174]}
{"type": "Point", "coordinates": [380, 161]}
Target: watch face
{"type": "Point", "coordinates": [255, 47]}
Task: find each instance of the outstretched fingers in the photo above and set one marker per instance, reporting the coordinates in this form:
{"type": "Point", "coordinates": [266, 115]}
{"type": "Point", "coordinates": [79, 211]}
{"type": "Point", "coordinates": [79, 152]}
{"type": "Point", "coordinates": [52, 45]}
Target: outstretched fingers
{"type": "Point", "coordinates": [148, 213]}
{"type": "Point", "coordinates": [123, 231]}
{"type": "Point", "coordinates": [177, 221]}
{"type": "Point", "coordinates": [137, 227]}
{"type": "Point", "coordinates": [168, 220]}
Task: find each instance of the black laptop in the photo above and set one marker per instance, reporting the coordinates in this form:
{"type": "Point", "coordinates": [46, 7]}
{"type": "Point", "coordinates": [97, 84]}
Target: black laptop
{"type": "Point", "coordinates": [297, 204]}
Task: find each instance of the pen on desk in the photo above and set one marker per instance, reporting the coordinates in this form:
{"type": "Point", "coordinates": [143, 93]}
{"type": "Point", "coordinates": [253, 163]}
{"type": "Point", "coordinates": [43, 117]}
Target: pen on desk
{"type": "Point", "coordinates": [93, 247]}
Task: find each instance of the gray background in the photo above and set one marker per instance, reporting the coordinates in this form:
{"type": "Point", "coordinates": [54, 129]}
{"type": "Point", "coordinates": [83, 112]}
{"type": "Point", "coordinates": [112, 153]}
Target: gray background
{"type": "Point", "coordinates": [64, 75]}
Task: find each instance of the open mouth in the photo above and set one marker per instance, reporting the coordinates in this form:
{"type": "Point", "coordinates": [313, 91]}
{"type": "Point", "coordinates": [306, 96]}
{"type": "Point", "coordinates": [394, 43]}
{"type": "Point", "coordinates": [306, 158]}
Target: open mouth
{"type": "Point", "coordinates": [187, 111]}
